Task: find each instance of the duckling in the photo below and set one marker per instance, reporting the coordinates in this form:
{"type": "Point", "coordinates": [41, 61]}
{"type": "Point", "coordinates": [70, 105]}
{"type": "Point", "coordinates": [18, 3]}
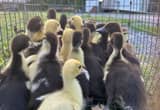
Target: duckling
{"type": "Point", "coordinates": [92, 28]}
{"type": "Point", "coordinates": [95, 36]}
{"type": "Point", "coordinates": [124, 88]}
{"type": "Point", "coordinates": [45, 73]}
{"type": "Point", "coordinates": [66, 44]}
{"type": "Point", "coordinates": [35, 29]}
{"type": "Point", "coordinates": [36, 34]}
{"type": "Point", "coordinates": [63, 21]}
{"type": "Point", "coordinates": [51, 13]}
{"type": "Point", "coordinates": [128, 55]}
{"type": "Point", "coordinates": [70, 96]}
{"type": "Point", "coordinates": [76, 22]}
{"type": "Point", "coordinates": [111, 27]}
{"type": "Point", "coordinates": [14, 94]}
{"type": "Point", "coordinates": [123, 51]}
{"type": "Point", "coordinates": [113, 52]}
{"type": "Point", "coordinates": [51, 25]}
{"type": "Point", "coordinates": [96, 85]}
{"type": "Point", "coordinates": [100, 48]}
{"type": "Point", "coordinates": [77, 52]}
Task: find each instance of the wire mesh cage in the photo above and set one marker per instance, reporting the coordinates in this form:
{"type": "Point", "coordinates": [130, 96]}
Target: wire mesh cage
{"type": "Point", "coordinates": [140, 17]}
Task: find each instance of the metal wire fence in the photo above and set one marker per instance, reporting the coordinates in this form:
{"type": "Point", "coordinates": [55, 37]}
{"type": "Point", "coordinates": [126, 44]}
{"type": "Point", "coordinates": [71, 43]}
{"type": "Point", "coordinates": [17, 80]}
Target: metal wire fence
{"type": "Point", "coordinates": [142, 18]}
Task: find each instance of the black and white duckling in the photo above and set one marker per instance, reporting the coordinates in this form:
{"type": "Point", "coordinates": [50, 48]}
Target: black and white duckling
{"type": "Point", "coordinates": [45, 73]}
{"type": "Point", "coordinates": [14, 94]}
{"type": "Point", "coordinates": [96, 85]}
{"type": "Point", "coordinates": [77, 52]}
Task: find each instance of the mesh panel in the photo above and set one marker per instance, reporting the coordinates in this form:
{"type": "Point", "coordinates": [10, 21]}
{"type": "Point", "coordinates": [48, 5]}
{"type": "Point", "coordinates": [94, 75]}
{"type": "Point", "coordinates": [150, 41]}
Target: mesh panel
{"type": "Point", "coordinates": [140, 17]}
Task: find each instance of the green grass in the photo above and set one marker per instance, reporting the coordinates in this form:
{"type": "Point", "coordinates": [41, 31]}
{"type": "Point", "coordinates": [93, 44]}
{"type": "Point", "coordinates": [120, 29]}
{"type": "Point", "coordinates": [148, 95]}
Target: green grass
{"type": "Point", "coordinates": [136, 25]}
{"type": "Point", "coordinates": [105, 19]}
{"type": "Point", "coordinates": [20, 18]}
{"type": "Point", "coordinates": [150, 66]}
{"type": "Point", "coordinates": [154, 30]}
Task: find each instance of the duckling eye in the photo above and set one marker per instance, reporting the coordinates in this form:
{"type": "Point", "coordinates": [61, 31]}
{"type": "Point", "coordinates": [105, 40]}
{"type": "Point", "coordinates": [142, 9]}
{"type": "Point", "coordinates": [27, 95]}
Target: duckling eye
{"type": "Point", "coordinates": [80, 67]}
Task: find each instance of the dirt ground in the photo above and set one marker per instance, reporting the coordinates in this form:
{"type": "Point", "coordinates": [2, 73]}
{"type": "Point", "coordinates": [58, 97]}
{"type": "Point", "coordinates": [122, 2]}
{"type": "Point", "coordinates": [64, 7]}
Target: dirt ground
{"type": "Point", "coordinates": [154, 97]}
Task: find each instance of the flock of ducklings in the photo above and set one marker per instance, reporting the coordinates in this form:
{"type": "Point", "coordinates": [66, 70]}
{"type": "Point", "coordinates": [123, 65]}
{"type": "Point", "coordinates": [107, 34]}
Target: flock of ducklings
{"type": "Point", "coordinates": [71, 64]}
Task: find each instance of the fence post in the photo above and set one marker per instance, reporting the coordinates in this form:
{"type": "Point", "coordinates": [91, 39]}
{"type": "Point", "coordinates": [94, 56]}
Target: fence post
{"type": "Point", "coordinates": [129, 21]}
{"type": "Point", "coordinates": [118, 6]}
